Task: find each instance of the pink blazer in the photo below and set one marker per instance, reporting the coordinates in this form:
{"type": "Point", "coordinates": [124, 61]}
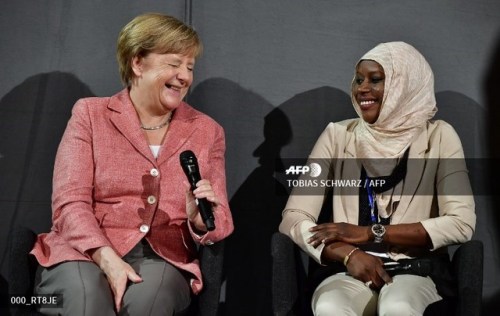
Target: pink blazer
{"type": "Point", "coordinates": [109, 190]}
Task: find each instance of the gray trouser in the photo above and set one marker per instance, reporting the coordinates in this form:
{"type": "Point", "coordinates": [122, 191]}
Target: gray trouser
{"type": "Point", "coordinates": [86, 292]}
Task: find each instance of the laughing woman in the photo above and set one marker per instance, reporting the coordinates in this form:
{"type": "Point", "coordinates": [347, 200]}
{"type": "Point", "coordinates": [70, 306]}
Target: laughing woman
{"type": "Point", "coordinates": [125, 228]}
{"type": "Point", "coordinates": [377, 232]}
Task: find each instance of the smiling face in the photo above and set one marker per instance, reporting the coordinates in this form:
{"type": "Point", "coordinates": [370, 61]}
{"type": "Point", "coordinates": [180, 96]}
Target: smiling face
{"type": "Point", "coordinates": [162, 80]}
{"type": "Point", "coordinates": [368, 89]}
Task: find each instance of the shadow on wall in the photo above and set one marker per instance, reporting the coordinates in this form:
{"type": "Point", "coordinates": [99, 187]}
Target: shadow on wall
{"type": "Point", "coordinates": [241, 113]}
{"type": "Point", "coordinates": [490, 86]}
{"type": "Point", "coordinates": [257, 206]}
{"type": "Point", "coordinates": [258, 202]}
{"type": "Point", "coordinates": [33, 117]}
{"type": "Point", "coordinates": [253, 205]}
{"type": "Point", "coordinates": [309, 113]}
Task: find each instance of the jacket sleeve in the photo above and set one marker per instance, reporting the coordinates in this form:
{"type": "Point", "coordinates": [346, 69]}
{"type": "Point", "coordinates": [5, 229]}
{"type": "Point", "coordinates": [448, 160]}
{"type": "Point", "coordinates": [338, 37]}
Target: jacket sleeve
{"type": "Point", "coordinates": [457, 219]}
{"type": "Point", "coordinates": [216, 174]}
{"type": "Point", "coordinates": [72, 208]}
{"type": "Point", "coordinates": [302, 211]}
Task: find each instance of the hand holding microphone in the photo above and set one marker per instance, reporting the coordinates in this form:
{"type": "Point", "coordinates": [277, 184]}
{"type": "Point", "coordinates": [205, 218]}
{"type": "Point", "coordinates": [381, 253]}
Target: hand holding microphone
{"type": "Point", "coordinates": [189, 164]}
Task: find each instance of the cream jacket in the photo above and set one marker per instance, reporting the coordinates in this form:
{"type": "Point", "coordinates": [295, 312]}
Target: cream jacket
{"type": "Point", "coordinates": [436, 190]}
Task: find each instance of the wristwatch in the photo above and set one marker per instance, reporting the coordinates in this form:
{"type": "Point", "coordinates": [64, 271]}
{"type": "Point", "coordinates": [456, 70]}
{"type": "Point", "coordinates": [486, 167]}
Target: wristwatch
{"type": "Point", "coordinates": [378, 231]}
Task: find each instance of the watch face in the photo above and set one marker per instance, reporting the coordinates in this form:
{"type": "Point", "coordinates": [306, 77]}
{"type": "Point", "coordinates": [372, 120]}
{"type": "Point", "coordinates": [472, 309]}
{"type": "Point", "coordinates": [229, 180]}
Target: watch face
{"type": "Point", "coordinates": [378, 229]}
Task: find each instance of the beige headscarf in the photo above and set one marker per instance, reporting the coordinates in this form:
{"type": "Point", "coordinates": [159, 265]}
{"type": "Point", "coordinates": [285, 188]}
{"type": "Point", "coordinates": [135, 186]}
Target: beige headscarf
{"type": "Point", "coordinates": [407, 105]}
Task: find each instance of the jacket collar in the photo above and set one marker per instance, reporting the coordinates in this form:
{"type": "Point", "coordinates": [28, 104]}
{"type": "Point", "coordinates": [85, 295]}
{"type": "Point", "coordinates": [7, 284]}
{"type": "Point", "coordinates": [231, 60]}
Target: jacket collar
{"type": "Point", "coordinates": [124, 117]}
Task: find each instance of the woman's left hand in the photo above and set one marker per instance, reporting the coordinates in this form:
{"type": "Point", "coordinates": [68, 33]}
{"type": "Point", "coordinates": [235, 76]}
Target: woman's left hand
{"type": "Point", "coordinates": [203, 190]}
{"type": "Point", "coordinates": [328, 233]}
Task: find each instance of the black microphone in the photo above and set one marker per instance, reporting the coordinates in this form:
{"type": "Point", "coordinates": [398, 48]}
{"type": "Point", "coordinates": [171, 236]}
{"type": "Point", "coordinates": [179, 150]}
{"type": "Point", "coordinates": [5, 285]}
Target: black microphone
{"type": "Point", "coordinates": [189, 164]}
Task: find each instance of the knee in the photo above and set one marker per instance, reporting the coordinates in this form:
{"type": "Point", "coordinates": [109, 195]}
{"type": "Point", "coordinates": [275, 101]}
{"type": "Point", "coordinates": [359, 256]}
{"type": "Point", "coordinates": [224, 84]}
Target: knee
{"type": "Point", "coordinates": [328, 308]}
{"type": "Point", "coordinates": [84, 290]}
{"type": "Point", "coordinates": [159, 298]}
{"type": "Point", "coordinates": [396, 308]}
{"type": "Point", "coordinates": [92, 294]}
{"type": "Point", "coordinates": [173, 298]}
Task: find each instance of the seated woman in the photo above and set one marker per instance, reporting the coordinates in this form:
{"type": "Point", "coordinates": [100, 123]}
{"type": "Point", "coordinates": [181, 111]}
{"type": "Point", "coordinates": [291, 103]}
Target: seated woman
{"type": "Point", "coordinates": [125, 222]}
{"type": "Point", "coordinates": [414, 199]}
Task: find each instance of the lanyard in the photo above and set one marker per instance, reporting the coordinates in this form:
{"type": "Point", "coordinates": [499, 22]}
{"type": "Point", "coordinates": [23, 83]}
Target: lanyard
{"type": "Point", "coordinates": [371, 200]}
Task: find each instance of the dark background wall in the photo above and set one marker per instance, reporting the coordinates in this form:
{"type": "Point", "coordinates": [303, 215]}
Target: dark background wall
{"type": "Point", "coordinates": [273, 73]}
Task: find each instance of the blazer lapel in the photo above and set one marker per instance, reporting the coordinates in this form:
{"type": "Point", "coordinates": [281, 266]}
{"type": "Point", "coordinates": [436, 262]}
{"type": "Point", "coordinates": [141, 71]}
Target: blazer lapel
{"type": "Point", "coordinates": [415, 169]}
{"type": "Point", "coordinates": [179, 132]}
{"type": "Point", "coordinates": [124, 118]}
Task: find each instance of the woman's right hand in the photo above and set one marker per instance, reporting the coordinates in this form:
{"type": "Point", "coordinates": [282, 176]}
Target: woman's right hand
{"type": "Point", "coordinates": [117, 271]}
{"type": "Point", "coordinates": [366, 268]}
{"type": "Point", "coordinates": [360, 265]}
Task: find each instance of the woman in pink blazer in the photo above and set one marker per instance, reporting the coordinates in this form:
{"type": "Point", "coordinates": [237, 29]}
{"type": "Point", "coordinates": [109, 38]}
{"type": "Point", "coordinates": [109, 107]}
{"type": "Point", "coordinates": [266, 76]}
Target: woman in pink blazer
{"type": "Point", "coordinates": [125, 222]}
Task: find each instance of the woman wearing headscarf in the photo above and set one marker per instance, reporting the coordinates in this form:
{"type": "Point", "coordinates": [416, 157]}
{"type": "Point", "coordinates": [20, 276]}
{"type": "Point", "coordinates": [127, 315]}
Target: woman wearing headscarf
{"type": "Point", "coordinates": [125, 222]}
{"type": "Point", "coordinates": [413, 199]}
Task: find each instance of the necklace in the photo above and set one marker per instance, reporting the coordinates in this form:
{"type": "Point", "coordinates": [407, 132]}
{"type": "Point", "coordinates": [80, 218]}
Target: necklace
{"type": "Point", "coordinates": [154, 128]}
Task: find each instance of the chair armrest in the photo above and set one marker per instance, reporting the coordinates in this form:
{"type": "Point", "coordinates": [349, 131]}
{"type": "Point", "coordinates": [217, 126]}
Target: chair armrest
{"type": "Point", "coordinates": [211, 263]}
{"type": "Point", "coordinates": [468, 267]}
{"type": "Point", "coordinates": [22, 266]}
{"type": "Point", "coordinates": [284, 282]}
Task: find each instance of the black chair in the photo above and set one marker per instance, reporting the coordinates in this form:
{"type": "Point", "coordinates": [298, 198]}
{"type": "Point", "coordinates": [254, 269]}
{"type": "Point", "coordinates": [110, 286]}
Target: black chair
{"type": "Point", "coordinates": [22, 267]}
{"type": "Point", "coordinates": [290, 279]}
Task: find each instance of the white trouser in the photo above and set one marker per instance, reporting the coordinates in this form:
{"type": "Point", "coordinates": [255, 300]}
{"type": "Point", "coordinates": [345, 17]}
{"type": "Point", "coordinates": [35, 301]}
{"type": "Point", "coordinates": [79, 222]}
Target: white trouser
{"type": "Point", "coordinates": [344, 295]}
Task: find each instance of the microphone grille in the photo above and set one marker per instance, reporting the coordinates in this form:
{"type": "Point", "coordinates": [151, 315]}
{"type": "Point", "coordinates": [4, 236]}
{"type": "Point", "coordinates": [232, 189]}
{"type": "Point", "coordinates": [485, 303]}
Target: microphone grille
{"type": "Point", "coordinates": [187, 156]}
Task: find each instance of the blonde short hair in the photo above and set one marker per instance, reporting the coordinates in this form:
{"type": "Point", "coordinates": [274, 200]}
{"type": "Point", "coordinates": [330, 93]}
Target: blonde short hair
{"type": "Point", "coordinates": [154, 32]}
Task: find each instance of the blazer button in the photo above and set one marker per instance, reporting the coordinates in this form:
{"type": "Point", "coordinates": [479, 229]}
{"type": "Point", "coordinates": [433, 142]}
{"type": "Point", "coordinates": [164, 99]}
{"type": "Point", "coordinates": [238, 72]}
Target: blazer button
{"type": "Point", "coordinates": [144, 228]}
{"type": "Point", "coordinates": [151, 199]}
{"type": "Point", "coordinates": [154, 172]}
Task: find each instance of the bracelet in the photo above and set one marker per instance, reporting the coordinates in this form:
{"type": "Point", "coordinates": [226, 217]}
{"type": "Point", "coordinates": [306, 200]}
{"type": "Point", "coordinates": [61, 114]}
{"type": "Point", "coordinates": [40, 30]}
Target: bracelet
{"type": "Point", "coordinates": [346, 258]}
